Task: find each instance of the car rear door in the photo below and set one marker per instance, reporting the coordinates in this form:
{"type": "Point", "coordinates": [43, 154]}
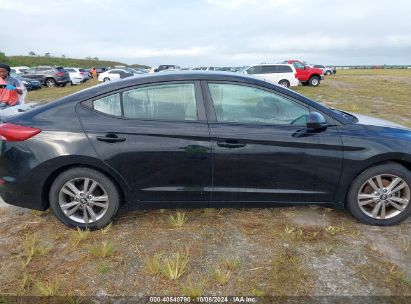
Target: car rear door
{"type": "Point", "coordinates": [156, 136]}
{"type": "Point", "coordinates": [261, 152]}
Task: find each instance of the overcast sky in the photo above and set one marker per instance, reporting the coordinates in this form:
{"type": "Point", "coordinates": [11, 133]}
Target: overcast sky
{"type": "Point", "coordinates": [211, 32]}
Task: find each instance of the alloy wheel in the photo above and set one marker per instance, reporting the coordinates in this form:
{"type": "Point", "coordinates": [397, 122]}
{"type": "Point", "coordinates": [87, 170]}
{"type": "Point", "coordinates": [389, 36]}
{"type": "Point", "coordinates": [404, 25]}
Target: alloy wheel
{"type": "Point", "coordinates": [83, 200]}
{"type": "Point", "coordinates": [383, 196]}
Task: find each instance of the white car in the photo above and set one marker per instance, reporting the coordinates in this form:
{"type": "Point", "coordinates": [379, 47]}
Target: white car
{"type": "Point", "coordinates": [278, 73]}
{"type": "Point", "coordinates": [77, 75]}
{"type": "Point", "coordinates": [19, 70]}
{"type": "Point", "coordinates": [115, 74]}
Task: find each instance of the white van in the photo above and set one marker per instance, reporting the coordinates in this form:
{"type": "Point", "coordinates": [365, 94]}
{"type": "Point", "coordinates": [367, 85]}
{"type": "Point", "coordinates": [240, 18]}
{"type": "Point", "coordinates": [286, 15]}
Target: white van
{"type": "Point", "coordinates": [282, 74]}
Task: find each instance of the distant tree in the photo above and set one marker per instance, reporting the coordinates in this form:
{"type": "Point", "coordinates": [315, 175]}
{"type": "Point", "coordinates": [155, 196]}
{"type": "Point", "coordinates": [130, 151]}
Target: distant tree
{"type": "Point", "coordinates": [95, 58]}
{"type": "Point", "coordinates": [32, 53]}
{"type": "Point", "coordinates": [3, 58]}
{"type": "Point", "coordinates": [63, 56]}
{"type": "Point", "coordinates": [47, 55]}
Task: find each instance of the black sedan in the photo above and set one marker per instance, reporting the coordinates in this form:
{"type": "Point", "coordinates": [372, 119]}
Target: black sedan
{"type": "Point", "coordinates": [201, 139]}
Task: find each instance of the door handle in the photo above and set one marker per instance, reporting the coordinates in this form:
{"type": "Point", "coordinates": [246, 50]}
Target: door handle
{"type": "Point", "coordinates": [230, 144]}
{"type": "Point", "coordinates": [110, 138]}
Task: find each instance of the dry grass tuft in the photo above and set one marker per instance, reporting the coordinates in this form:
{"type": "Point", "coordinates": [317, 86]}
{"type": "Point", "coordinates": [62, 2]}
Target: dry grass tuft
{"type": "Point", "coordinates": [79, 235]}
{"type": "Point", "coordinates": [152, 264]}
{"type": "Point", "coordinates": [230, 263]}
{"type": "Point", "coordinates": [174, 267]}
{"type": "Point", "coordinates": [103, 250]}
{"type": "Point", "coordinates": [31, 249]}
{"type": "Point", "coordinates": [48, 288]}
{"type": "Point", "coordinates": [179, 220]}
{"type": "Point", "coordinates": [221, 276]}
{"type": "Point", "coordinates": [194, 289]}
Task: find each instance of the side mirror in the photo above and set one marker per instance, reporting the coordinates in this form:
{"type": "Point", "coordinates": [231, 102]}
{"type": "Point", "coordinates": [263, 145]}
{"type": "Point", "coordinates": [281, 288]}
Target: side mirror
{"type": "Point", "coordinates": [316, 122]}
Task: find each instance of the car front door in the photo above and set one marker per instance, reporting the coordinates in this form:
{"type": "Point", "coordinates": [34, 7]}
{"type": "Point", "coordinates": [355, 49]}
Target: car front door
{"type": "Point", "coordinates": [261, 151]}
{"type": "Point", "coordinates": [156, 137]}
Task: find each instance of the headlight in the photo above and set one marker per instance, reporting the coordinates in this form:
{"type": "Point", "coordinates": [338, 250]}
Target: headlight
{"type": "Point", "coordinates": [25, 82]}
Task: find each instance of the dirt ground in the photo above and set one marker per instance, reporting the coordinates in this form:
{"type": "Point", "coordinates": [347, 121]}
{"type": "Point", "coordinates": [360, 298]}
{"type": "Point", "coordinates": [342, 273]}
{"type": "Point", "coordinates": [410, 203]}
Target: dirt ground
{"type": "Point", "coordinates": [276, 251]}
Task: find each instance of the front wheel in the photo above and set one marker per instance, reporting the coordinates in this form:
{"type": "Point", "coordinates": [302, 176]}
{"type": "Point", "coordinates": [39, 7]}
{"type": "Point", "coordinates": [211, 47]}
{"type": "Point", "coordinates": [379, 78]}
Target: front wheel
{"type": "Point", "coordinates": [381, 195]}
{"type": "Point", "coordinates": [106, 79]}
{"type": "Point", "coordinates": [84, 198]}
{"type": "Point", "coordinates": [328, 73]}
{"type": "Point", "coordinates": [314, 81]}
{"type": "Point", "coordinates": [285, 83]}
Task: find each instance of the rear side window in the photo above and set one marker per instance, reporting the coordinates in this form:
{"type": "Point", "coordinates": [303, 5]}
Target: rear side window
{"type": "Point", "coordinates": [110, 105]}
{"type": "Point", "coordinates": [164, 102]}
{"type": "Point", "coordinates": [268, 69]}
{"type": "Point", "coordinates": [255, 70]}
{"type": "Point", "coordinates": [284, 69]}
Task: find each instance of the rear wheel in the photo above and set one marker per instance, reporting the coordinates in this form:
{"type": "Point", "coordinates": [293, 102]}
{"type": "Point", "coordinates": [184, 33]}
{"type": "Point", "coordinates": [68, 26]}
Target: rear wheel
{"type": "Point", "coordinates": [51, 83]}
{"type": "Point", "coordinates": [284, 83]}
{"type": "Point", "coordinates": [84, 198]}
{"type": "Point", "coordinates": [106, 79]}
{"type": "Point", "coordinates": [314, 81]}
{"type": "Point", "coordinates": [328, 73]}
{"type": "Point", "coordinates": [381, 195]}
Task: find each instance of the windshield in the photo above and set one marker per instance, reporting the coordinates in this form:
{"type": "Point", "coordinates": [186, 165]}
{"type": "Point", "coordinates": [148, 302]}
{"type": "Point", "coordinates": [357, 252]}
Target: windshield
{"type": "Point", "coordinates": [243, 69]}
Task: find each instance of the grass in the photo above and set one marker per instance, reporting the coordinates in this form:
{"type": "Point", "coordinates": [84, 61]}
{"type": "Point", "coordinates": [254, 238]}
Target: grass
{"type": "Point", "coordinates": [79, 236]}
{"type": "Point", "coordinates": [175, 266]}
{"type": "Point", "coordinates": [230, 263]}
{"type": "Point", "coordinates": [152, 264]}
{"type": "Point", "coordinates": [221, 276]}
{"type": "Point", "coordinates": [178, 220]}
{"type": "Point", "coordinates": [193, 289]}
{"type": "Point", "coordinates": [103, 250]}
{"type": "Point", "coordinates": [31, 249]}
{"type": "Point", "coordinates": [288, 276]}
{"type": "Point", "coordinates": [47, 288]}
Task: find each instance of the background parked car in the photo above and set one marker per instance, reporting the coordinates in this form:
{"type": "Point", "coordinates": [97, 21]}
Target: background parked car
{"type": "Point", "coordinates": [77, 76]}
{"type": "Point", "coordinates": [48, 76]}
{"type": "Point", "coordinates": [282, 74]}
{"type": "Point", "coordinates": [305, 74]}
{"type": "Point", "coordinates": [30, 84]}
{"type": "Point", "coordinates": [164, 67]}
{"type": "Point", "coordinates": [19, 70]}
{"type": "Point", "coordinates": [114, 74]}
{"type": "Point", "coordinates": [326, 70]}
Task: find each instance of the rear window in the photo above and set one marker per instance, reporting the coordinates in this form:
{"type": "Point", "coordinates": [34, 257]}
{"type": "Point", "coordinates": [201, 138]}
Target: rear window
{"type": "Point", "coordinates": [60, 69]}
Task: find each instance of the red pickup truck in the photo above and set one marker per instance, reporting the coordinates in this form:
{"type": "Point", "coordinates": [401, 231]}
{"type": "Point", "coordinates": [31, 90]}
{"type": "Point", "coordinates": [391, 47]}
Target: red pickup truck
{"type": "Point", "coordinates": [305, 74]}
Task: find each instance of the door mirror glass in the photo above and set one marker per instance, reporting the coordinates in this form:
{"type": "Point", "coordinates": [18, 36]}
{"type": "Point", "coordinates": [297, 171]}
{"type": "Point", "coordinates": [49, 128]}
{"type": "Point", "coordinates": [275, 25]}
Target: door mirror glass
{"type": "Point", "coordinates": [316, 121]}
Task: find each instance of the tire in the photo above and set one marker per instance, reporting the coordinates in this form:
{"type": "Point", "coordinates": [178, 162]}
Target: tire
{"type": "Point", "coordinates": [103, 200]}
{"type": "Point", "coordinates": [50, 82]}
{"type": "Point", "coordinates": [284, 83]}
{"type": "Point", "coordinates": [328, 73]}
{"type": "Point", "coordinates": [394, 206]}
{"type": "Point", "coordinates": [106, 79]}
{"type": "Point", "coordinates": [314, 81]}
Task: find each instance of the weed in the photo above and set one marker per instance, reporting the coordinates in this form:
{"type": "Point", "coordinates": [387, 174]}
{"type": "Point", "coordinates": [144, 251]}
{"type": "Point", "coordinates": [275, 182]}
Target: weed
{"type": "Point", "coordinates": [405, 245]}
{"type": "Point", "coordinates": [106, 229]}
{"type": "Point", "coordinates": [79, 235]}
{"type": "Point", "coordinates": [104, 250]}
{"type": "Point", "coordinates": [25, 282]}
{"type": "Point", "coordinates": [221, 276]}
{"type": "Point", "coordinates": [48, 288]}
{"type": "Point", "coordinates": [179, 220]}
{"type": "Point", "coordinates": [288, 274]}
{"type": "Point", "coordinates": [152, 264]}
{"type": "Point", "coordinates": [257, 291]}
{"type": "Point", "coordinates": [194, 290]}
{"type": "Point", "coordinates": [407, 280]}
{"type": "Point", "coordinates": [333, 230]}
{"type": "Point", "coordinates": [229, 263]}
{"type": "Point", "coordinates": [32, 248]}
{"type": "Point", "coordinates": [174, 267]}
{"type": "Point", "coordinates": [103, 268]}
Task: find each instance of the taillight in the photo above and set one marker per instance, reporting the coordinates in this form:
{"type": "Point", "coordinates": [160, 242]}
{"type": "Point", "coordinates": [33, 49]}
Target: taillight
{"type": "Point", "coordinates": [12, 132]}
{"type": "Point", "coordinates": [60, 73]}
{"type": "Point", "coordinates": [81, 73]}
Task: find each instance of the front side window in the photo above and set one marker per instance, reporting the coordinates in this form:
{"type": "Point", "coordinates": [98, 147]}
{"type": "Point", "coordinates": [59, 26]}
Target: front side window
{"type": "Point", "coordinates": [254, 70]}
{"type": "Point", "coordinates": [298, 65]}
{"type": "Point", "coordinates": [110, 105]}
{"type": "Point", "coordinates": [168, 102]}
{"type": "Point", "coordinates": [243, 104]}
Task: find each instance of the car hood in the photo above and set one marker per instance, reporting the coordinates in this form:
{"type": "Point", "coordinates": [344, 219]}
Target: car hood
{"type": "Point", "coordinates": [373, 121]}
